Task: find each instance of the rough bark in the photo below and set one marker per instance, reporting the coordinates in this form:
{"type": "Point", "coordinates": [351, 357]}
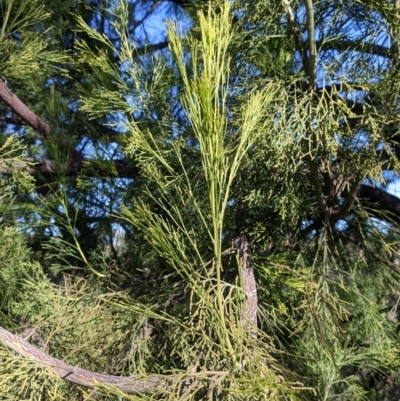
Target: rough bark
{"type": "Point", "coordinates": [249, 312]}
{"type": "Point", "coordinates": [83, 377]}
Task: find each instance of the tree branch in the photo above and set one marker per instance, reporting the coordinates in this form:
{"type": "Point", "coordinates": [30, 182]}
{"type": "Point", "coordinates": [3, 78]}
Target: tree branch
{"type": "Point", "coordinates": [90, 168]}
{"type": "Point", "coordinates": [249, 285]}
{"type": "Point", "coordinates": [48, 168]}
{"type": "Point", "coordinates": [382, 199]}
{"type": "Point", "coordinates": [350, 198]}
{"type": "Point", "coordinates": [363, 47]}
{"type": "Point", "coordinates": [297, 34]}
{"type": "Point", "coordinates": [23, 111]}
{"type": "Point", "coordinates": [312, 63]}
{"type": "Point", "coordinates": [122, 168]}
{"type": "Point", "coordinates": [73, 374]}
{"type": "Point", "coordinates": [30, 118]}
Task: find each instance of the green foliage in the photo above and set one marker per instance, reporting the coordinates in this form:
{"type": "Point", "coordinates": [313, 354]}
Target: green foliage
{"type": "Point", "coordinates": [13, 253]}
{"type": "Point", "coordinates": [189, 233]}
{"type": "Point", "coordinates": [12, 159]}
{"type": "Point", "coordinates": [231, 139]}
{"type": "Point", "coordinates": [25, 43]}
{"type": "Point", "coordinates": [15, 264]}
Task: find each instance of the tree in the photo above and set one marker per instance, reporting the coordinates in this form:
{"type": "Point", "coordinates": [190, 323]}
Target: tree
{"type": "Point", "coordinates": [269, 125]}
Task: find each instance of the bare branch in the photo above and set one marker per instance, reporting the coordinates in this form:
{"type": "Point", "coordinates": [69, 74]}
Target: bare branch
{"type": "Point", "coordinates": [30, 118]}
{"type": "Point", "coordinates": [23, 111]}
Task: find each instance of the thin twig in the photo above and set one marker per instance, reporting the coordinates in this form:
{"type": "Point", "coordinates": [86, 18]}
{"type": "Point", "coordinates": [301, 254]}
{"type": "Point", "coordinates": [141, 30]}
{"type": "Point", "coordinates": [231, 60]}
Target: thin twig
{"type": "Point", "coordinates": [280, 266]}
{"type": "Point", "coordinates": [374, 254]}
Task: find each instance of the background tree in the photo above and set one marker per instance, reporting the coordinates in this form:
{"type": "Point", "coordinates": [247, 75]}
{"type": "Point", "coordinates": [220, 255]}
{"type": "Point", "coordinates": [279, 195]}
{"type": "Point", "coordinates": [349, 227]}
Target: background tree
{"type": "Point", "coordinates": [272, 122]}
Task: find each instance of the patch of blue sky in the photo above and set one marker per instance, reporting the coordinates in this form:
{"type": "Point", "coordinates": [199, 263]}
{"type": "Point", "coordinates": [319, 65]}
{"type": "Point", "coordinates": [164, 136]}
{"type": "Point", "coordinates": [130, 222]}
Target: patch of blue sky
{"type": "Point", "coordinates": [358, 141]}
{"type": "Point", "coordinates": [153, 21]}
{"type": "Point", "coordinates": [341, 225]}
{"type": "Point", "coordinates": [382, 226]}
{"type": "Point", "coordinates": [393, 187]}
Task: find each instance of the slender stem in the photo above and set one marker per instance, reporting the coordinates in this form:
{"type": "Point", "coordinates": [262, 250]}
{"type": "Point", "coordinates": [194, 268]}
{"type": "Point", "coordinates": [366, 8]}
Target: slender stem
{"type": "Point", "coordinates": [312, 65]}
{"type": "Point", "coordinates": [393, 266]}
{"type": "Point", "coordinates": [5, 20]}
{"type": "Point", "coordinates": [218, 222]}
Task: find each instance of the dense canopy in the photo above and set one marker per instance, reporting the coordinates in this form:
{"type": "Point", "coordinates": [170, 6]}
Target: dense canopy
{"type": "Point", "coordinates": [198, 200]}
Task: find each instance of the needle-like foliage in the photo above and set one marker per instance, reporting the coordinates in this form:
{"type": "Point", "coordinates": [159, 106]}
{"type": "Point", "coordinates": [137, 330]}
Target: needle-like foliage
{"type": "Point", "coordinates": [268, 124]}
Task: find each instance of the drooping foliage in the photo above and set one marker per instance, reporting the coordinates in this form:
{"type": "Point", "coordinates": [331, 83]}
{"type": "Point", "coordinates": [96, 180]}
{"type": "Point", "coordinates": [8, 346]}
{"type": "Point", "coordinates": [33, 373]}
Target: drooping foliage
{"type": "Point", "coordinates": [274, 122]}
